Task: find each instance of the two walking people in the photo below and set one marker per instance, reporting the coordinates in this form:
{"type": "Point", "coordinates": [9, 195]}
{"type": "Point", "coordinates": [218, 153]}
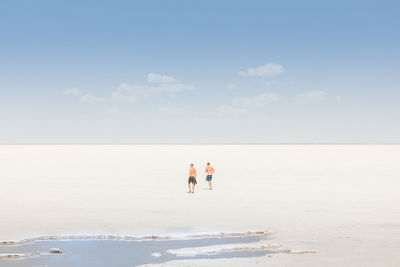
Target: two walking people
{"type": "Point", "coordinates": [193, 175]}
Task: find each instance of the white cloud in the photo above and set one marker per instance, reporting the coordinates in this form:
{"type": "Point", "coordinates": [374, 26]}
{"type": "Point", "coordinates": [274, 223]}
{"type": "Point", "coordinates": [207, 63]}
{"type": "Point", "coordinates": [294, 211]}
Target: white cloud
{"type": "Point", "coordinates": [166, 85]}
{"type": "Point", "coordinates": [311, 97]}
{"type": "Point", "coordinates": [242, 105]}
{"type": "Point", "coordinates": [88, 98]}
{"type": "Point", "coordinates": [230, 110]}
{"type": "Point", "coordinates": [232, 86]}
{"type": "Point", "coordinates": [268, 70]}
{"type": "Point", "coordinates": [113, 110]}
{"type": "Point", "coordinates": [131, 93]}
{"type": "Point", "coordinates": [134, 92]}
{"type": "Point", "coordinates": [83, 98]}
{"type": "Point", "coordinates": [256, 101]}
{"type": "Point", "coordinates": [171, 110]}
{"type": "Point", "coordinates": [175, 88]}
{"type": "Point", "coordinates": [72, 91]}
{"type": "Point", "coordinates": [157, 78]}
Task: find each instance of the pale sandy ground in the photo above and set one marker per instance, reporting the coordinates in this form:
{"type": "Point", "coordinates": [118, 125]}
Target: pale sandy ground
{"type": "Point", "coordinates": [342, 201]}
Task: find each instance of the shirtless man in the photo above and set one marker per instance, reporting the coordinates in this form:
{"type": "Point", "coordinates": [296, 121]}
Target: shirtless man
{"type": "Point", "coordinates": [209, 170]}
{"type": "Point", "coordinates": [192, 178]}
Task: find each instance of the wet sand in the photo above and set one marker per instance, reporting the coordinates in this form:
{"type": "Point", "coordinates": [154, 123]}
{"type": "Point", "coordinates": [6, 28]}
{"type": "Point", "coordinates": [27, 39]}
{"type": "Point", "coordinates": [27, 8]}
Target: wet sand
{"type": "Point", "coordinates": [126, 252]}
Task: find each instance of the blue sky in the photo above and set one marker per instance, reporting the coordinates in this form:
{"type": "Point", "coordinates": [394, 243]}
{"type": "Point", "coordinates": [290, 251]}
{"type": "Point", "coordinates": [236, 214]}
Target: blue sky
{"type": "Point", "coordinates": [199, 71]}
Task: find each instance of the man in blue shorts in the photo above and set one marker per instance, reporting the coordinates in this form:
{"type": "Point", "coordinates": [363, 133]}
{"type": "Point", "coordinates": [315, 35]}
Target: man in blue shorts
{"type": "Point", "coordinates": [209, 170]}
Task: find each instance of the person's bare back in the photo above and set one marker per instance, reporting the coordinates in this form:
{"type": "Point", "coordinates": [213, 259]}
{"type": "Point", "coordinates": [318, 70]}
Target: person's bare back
{"type": "Point", "coordinates": [192, 178]}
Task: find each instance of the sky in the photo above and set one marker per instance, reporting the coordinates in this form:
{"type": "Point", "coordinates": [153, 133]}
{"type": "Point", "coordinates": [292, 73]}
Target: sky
{"type": "Point", "coordinates": [168, 71]}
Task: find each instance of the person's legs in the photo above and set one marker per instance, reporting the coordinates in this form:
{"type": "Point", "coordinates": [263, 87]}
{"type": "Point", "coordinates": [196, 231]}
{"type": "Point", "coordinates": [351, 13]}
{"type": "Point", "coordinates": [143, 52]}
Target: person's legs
{"type": "Point", "coordinates": [193, 188]}
{"type": "Point", "coordinates": [209, 178]}
{"type": "Point", "coordinates": [189, 186]}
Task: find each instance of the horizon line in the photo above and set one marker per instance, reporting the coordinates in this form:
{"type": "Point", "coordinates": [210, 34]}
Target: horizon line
{"type": "Point", "coordinates": [239, 143]}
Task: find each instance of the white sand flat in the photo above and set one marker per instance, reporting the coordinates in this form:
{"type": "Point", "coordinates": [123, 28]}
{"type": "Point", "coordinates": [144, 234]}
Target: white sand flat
{"type": "Point", "coordinates": [337, 200]}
